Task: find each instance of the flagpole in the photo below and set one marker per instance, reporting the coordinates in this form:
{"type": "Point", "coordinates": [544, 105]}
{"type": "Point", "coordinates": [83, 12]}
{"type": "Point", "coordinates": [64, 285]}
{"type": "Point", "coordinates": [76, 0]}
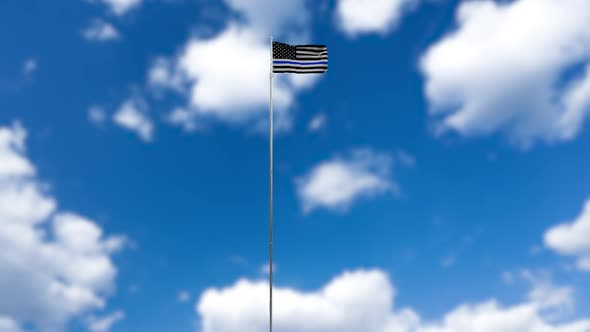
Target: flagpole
{"type": "Point", "coordinates": [271, 134]}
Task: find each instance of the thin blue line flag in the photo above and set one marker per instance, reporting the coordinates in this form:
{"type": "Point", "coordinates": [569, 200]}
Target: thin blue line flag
{"type": "Point", "coordinates": [300, 59]}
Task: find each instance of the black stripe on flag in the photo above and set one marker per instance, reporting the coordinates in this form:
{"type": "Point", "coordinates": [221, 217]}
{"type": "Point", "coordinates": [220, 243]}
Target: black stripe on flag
{"type": "Point", "coordinates": [309, 57]}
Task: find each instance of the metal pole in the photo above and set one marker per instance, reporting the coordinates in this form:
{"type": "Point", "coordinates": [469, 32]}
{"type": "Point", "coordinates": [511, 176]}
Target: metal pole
{"type": "Point", "coordinates": [271, 134]}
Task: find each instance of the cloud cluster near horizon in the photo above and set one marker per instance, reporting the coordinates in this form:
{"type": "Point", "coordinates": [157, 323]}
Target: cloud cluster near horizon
{"type": "Point", "coordinates": [55, 265]}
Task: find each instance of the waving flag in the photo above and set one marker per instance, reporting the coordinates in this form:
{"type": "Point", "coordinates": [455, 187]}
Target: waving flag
{"type": "Point", "coordinates": [300, 59]}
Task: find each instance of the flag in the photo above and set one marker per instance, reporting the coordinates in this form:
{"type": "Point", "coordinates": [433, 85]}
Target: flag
{"type": "Point", "coordinates": [300, 59]}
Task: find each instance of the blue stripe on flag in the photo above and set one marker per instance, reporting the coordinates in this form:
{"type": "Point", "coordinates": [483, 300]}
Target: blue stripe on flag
{"type": "Point", "coordinates": [282, 62]}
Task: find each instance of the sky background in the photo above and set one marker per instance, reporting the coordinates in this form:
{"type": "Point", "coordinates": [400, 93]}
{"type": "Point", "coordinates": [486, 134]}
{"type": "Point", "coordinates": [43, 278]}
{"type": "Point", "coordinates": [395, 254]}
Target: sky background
{"type": "Point", "coordinates": [436, 176]}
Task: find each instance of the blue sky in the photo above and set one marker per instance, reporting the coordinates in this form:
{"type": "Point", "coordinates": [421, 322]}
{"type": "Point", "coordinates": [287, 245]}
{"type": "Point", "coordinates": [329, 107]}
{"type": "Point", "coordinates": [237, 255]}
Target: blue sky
{"type": "Point", "coordinates": [433, 180]}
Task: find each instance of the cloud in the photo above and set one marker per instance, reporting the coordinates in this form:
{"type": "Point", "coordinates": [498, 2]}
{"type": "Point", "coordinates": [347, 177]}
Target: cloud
{"type": "Point", "coordinates": [317, 123]}
{"type": "Point", "coordinates": [30, 66]}
{"type": "Point", "coordinates": [571, 238]}
{"type": "Point", "coordinates": [9, 325]}
{"type": "Point", "coordinates": [104, 324]}
{"type": "Point", "coordinates": [132, 116]}
{"type": "Point", "coordinates": [221, 85]}
{"type": "Point", "coordinates": [268, 16]}
{"type": "Point", "coordinates": [164, 74]}
{"type": "Point", "coordinates": [361, 300]}
{"type": "Point", "coordinates": [183, 118]}
{"type": "Point", "coordinates": [121, 7]}
{"type": "Point", "coordinates": [479, 81]}
{"type": "Point", "coordinates": [55, 265]}
{"type": "Point", "coordinates": [555, 302]}
{"type": "Point", "coordinates": [335, 184]}
{"type": "Point", "coordinates": [354, 301]}
{"type": "Point", "coordinates": [97, 115]}
{"type": "Point", "coordinates": [491, 316]}
{"type": "Point", "coordinates": [100, 30]}
{"type": "Point", "coordinates": [577, 106]}
{"type": "Point", "coordinates": [12, 145]}
{"type": "Point", "coordinates": [225, 77]}
{"type": "Point", "coordinates": [356, 17]}
{"type": "Point", "coordinates": [224, 85]}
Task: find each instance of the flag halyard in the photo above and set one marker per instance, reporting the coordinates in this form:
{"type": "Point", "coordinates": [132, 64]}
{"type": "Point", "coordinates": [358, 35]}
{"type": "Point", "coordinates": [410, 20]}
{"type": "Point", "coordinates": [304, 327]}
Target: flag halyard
{"type": "Point", "coordinates": [299, 59]}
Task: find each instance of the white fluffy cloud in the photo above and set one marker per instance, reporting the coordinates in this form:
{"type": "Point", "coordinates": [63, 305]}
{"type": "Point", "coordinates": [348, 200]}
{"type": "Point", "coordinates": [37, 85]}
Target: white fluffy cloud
{"type": "Point", "coordinates": [355, 301]}
{"type": "Point", "coordinates": [54, 265]}
{"type": "Point", "coordinates": [230, 74]}
{"type": "Point", "coordinates": [335, 184]}
{"type": "Point", "coordinates": [572, 238]}
{"type": "Point", "coordinates": [503, 70]}
{"type": "Point", "coordinates": [360, 300]}
{"type": "Point", "coordinates": [132, 115]}
{"type": "Point", "coordinates": [357, 17]}
{"type": "Point", "coordinates": [12, 141]}
{"type": "Point", "coordinates": [226, 77]}
{"type": "Point", "coordinates": [100, 30]}
{"type": "Point", "coordinates": [121, 7]}
{"type": "Point", "coordinates": [491, 316]}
